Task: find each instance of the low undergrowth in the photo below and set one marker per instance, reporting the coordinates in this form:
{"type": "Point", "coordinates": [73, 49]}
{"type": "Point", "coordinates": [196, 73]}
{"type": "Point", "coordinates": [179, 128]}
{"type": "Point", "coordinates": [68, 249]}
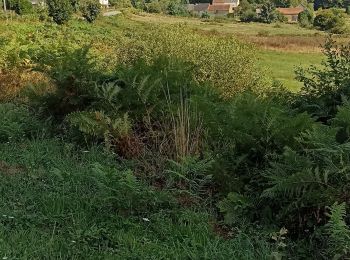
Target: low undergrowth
{"type": "Point", "coordinates": [160, 155]}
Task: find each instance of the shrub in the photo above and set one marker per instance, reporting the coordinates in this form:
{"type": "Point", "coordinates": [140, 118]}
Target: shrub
{"type": "Point", "coordinates": [347, 10]}
{"type": "Point", "coordinates": [22, 7]}
{"type": "Point", "coordinates": [248, 16]}
{"type": "Point", "coordinates": [154, 7]}
{"type": "Point", "coordinates": [242, 149]}
{"type": "Point", "coordinates": [59, 10]}
{"type": "Point", "coordinates": [205, 15]}
{"type": "Point", "coordinates": [281, 18]}
{"type": "Point", "coordinates": [268, 13]}
{"type": "Point", "coordinates": [306, 18]}
{"type": "Point", "coordinates": [74, 74]}
{"type": "Point", "coordinates": [330, 20]}
{"type": "Point", "coordinates": [182, 43]}
{"type": "Point", "coordinates": [175, 8]}
{"type": "Point", "coordinates": [90, 10]}
{"type": "Point", "coordinates": [324, 88]}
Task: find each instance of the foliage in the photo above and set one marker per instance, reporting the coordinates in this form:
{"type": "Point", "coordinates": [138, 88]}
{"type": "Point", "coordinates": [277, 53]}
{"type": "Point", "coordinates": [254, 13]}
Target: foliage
{"type": "Point", "coordinates": [205, 15]}
{"type": "Point", "coordinates": [268, 13]}
{"type": "Point", "coordinates": [16, 123]}
{"type": "Point", "coordinates": [175, 8]}
{"type": "Point", "coordinates": [197, 147]}
{"type": "Point", "coordinates": [22, 7]}
{"type": "Point", "coordinates": [154, 7]}
{"type": "Point", "coordinates": [90, 10]}
{"type": "Point", "coordinates": [242, 149]}
{"type": "Point", "coordinates": [74, 74]}
{"type": "Point", "coordinates": [248, 16]}
{"type": "Point", "coordinates": [326, 4]}
{"type": "Point", "coordinates": [330, 20]}
{"type": "Point", "coordinates": [306, 18]}
{"type": "Point", "coordinates": [190, 176]}
{"type": "Point", "coordinates": [182, 43]}
{"type": "Point", "coordinates": [280, 17]}
{"type": "Point", "coordinates": [59, 10]}
{"type": "Point", "coordinates": [325, 87]}
{"type": "Point", "coordinates": [338, 231]}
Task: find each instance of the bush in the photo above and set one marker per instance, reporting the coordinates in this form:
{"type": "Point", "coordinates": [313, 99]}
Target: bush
{"type": "Point", "coordinates": [268, 13]}
{"type": "Point", "coordinates": [59, 10]}
{"type": "Point", "coordinates": [281, 18]}
{"type": "Point", "coordinates": [22, 7]}
{"type": "Point", "coordinates": [154, 7]}
{"type": "Point", "coordinates": [330, 20]}
{"type": "Point", "coordinates": [205, 15]}
{"type": "Point", "coordinates": [325, 89]}
{"type": "Point", "coordinates": [248, 16]}
{"type": "Point", "coordinates": [305, 18]}
{"type": "Point", "coordinates": [90, 10]}
{"type": "Point", "coordinates": [242, 149]}
{"type": "Point", "coordinates": [181, 43]}
{"type": "Point", "coordinates": [175, 8]}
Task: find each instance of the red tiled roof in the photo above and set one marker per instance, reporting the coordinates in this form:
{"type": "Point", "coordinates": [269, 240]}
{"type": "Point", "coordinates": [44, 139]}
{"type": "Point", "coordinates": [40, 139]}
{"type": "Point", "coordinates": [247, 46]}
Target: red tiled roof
{"type": "Point", "coordinates": [290, 11]}
{"type": "Point", "coordinates": [219, 7]}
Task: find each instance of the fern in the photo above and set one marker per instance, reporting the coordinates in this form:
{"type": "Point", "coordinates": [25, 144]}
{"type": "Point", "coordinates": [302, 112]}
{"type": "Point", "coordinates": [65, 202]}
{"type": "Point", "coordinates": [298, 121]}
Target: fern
{"type": "Point", "coordinates": [338, 232]}
{"type": "Point", "coordinates": [99, 125]}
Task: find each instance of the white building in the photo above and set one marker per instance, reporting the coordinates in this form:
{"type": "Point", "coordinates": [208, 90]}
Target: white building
{"type": "Point", "coordinates": [104, 2]}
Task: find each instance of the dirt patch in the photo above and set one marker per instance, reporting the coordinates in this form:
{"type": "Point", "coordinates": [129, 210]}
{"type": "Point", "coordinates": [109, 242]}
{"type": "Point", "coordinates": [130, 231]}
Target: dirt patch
{"type": "Point", "coordinates": [10, 169]}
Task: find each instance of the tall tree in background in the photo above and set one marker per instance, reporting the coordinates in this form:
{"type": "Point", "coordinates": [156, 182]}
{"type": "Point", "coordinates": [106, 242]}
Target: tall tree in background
{"type": "Point", "coordinates": [60, 10]}
{"type": "Point", "coordinates": [268, 12]}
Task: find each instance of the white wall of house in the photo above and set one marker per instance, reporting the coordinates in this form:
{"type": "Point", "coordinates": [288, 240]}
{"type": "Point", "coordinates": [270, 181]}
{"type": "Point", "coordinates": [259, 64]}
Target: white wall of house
{"type": "Point", "coordinates": [104, 2]}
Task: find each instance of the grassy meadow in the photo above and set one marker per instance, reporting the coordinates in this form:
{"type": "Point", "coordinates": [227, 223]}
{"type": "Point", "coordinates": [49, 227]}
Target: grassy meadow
{"type": "Point", "coordinates": [156, 137]}
{"type": "Point", "coordinates": [281, 47]}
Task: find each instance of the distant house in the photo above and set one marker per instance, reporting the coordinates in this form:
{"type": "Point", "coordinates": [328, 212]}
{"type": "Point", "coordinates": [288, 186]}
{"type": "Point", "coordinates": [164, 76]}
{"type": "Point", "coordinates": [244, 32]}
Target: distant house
{"type": "Point", "coordinates": [104, 3]}
{"type": "Point", "coordinates": [222, 7]}
{"type": "Point", "coordinates": [217, 8]}
{"type": "Point", "coordinates": [198, 9]}
{"type": "Point", "coordinates": [291, 13]}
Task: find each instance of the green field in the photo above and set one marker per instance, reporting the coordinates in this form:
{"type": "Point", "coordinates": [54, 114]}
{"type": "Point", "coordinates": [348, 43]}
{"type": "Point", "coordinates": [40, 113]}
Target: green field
{"type": "Point", "coordinates": [280, 47]}
{"type": "Point", "coordinates": [228, 26]}
{"type": "Point", "coordinates": [282, 65]}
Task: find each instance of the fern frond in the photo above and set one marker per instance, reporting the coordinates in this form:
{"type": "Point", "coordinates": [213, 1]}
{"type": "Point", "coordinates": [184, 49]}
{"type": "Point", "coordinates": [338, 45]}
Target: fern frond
{"type": "Point", "coordinates": [338, 232]}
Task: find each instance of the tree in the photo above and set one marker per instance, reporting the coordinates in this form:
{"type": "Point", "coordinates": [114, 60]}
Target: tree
{"type": "Point", "coordinates": [90, 10]}
{"type": "Point", "coordinates": [306, 18]}
{"type": "Point", "coordinates": [325, 4]}
{"type": "Point", "coordinates": [330, 20]}
{"type": "Point", "coordinates": [22, 7]}
{"type": "Point", "coordinates": [268, 13]}
{"type": "Point", "coordinates": [60, 10]}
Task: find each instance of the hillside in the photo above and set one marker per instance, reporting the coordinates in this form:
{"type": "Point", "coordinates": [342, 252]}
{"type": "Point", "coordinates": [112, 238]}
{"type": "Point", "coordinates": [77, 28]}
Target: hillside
{"type": "Point", "coordinates": [153, 137]}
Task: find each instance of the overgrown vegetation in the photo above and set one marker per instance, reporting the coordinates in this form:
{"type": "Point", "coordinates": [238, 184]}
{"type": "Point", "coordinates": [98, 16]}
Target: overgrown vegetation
{"type": "Point", "coordinates": [164, 142]}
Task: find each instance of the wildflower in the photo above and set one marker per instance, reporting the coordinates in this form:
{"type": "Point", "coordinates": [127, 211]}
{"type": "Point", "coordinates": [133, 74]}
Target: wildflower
{"type": "Point", "coordinates": [146, 219]}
